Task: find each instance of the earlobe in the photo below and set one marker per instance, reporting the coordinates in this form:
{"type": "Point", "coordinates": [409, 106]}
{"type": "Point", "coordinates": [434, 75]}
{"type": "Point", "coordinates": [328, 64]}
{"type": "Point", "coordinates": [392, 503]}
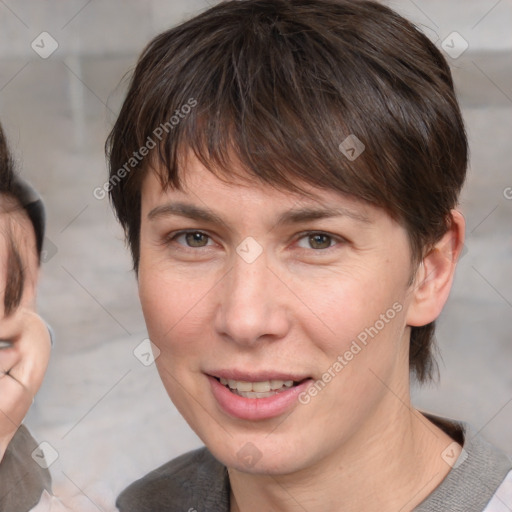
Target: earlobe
{"type": "Point", "coordinates": [434, 276]}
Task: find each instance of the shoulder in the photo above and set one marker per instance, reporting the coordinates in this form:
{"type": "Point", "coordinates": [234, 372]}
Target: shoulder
{"type": "Point", "coordinates": [192, 481]}
{"type": "Point", "coordinates": [477, 476]}
{"type": "Point", "coordinates": [22, 480]}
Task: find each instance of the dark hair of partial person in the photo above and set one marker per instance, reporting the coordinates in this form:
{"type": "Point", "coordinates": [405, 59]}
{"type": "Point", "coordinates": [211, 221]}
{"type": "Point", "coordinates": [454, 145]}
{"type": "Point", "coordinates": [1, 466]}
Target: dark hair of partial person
{"type": "Point", "coordinates": [278, 85]}
{"type": "Point", "coordinates": [17, 194]}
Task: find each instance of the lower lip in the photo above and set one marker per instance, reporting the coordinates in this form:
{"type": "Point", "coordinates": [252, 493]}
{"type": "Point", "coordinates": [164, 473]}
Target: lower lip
{"type": "Point", "coordinates": [255, 408]}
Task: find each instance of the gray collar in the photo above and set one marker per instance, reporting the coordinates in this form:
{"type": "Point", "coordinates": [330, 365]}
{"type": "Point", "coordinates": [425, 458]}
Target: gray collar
{"type": "Point", "coordinates": [474, 478]}
{"type": "Point", "coordinates": [196, 480]}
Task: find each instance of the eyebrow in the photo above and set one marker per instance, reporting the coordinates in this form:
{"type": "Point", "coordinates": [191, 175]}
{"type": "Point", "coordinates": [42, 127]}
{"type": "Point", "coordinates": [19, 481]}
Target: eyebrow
{"type": "Point", "coordinates": [293, 216]}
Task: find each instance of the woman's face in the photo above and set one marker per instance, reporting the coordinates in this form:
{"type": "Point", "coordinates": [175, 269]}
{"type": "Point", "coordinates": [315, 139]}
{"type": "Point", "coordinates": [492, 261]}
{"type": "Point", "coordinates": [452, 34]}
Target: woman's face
{"type": "Point", "coordinates": [266, 288]}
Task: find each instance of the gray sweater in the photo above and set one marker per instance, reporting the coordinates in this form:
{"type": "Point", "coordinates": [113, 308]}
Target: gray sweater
{"type": "Point", "coordinates": [197, 481]}
{"type": "Point", "coordinates": [22, 481]}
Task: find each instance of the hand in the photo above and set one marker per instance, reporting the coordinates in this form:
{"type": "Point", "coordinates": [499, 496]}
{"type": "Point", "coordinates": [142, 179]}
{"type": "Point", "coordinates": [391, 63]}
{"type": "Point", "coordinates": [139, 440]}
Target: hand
{"type": "Point", "coordinates": [23, 363]}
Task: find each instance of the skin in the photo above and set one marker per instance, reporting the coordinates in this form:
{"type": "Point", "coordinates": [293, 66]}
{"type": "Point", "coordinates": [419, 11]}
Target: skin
{"type": "Point", "coordinates": [295, 309]}
{"type": "Point", "coordinates": [23, 364]}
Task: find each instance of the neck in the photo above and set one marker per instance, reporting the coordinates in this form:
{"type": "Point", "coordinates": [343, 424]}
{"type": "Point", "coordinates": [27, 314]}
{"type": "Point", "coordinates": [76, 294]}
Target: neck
{"type": "Point", "coordinates": [381, 469]}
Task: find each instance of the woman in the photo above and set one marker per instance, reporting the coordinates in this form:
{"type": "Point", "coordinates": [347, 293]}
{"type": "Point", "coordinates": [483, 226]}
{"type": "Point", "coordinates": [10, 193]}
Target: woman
{"type": "Point", "coordinates": [287, 173]}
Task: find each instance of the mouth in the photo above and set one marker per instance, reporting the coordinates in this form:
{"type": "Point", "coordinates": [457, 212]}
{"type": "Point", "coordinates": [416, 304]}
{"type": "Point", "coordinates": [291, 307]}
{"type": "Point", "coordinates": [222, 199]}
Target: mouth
{"type": "Point", "coordinates": [258, 396]}
{"type": "Point", "coordinates": [258, 389]}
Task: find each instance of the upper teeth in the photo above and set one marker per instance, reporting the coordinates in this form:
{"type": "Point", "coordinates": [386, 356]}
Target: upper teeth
{"type": "Point", "coordinates": [259, 387]}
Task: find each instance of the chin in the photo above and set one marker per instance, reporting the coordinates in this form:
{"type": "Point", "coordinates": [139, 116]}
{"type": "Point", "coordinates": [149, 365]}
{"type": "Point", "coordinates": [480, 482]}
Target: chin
{"type": "Point", "coordinates": [258, 454]}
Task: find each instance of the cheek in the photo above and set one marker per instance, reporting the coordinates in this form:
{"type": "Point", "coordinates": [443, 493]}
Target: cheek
{"type": "Point", "coordinates": [360, 335]}
{"type": "Point", "coordinates": [344, 306]}
{"type": "Point", "coordinates": [173, 315]}
{"type": "Point", "coordinates": [174, 309]}
{"type": "Point", "coordinates": [159, 303]}
{"type": "Point", "coordinates": [2, 286]}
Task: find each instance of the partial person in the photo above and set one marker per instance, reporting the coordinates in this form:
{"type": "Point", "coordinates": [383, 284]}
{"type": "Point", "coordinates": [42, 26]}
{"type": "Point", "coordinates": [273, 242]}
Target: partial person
{"type": "Point", "coordinates": [25, 339]}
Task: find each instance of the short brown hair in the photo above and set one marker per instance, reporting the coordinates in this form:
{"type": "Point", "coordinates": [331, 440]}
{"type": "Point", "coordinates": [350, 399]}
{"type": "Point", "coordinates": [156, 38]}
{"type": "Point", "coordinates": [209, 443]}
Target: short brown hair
{"type": "Point", "coordinates": [279, 85]}
{"type": "Point", "coordinates": [17, 193]}
{"type": "Point", "coordinates": [15, 272]}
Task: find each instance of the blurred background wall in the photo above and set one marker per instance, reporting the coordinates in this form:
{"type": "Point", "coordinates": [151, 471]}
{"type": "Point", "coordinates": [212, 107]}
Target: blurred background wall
{"type": "Point", "coordinates": [107, 416]}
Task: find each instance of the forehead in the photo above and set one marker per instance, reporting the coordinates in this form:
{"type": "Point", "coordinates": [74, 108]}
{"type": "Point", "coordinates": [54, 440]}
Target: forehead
{"type": "Point", "coordinates": [241, 192]}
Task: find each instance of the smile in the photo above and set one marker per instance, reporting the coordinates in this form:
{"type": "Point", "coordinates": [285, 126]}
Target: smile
{"type": "Point", "coordinates": [259, 389]}
{"type": "Point", "coordinates": [256, 399]}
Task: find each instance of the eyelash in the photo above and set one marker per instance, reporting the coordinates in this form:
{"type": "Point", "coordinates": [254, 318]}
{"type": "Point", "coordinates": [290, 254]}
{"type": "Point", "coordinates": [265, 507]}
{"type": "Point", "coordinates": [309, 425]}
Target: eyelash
{"type": "Point", "coordinates": [169, 239]}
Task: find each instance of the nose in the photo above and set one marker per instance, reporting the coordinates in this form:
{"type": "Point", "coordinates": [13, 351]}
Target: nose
{"type": "Point", "coordinates": [252, 303]}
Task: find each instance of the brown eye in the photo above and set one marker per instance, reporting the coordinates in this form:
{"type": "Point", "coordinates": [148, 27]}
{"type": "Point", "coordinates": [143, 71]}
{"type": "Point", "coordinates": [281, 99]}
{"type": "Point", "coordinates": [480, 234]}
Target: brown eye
{"type": "Point", "coordinates": [196, 239]}
{"type": "Point", "coordinates": [320, 241]}
{"type": "Point", "coordinates": [187, 241]}
{"type": "Point", "coordinates": [317, 241]}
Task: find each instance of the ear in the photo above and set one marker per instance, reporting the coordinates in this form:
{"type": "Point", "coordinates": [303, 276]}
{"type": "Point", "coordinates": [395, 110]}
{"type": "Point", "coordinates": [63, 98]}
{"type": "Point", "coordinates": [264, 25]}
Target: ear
{"type": "Point", "coordinates": [434, 275]}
